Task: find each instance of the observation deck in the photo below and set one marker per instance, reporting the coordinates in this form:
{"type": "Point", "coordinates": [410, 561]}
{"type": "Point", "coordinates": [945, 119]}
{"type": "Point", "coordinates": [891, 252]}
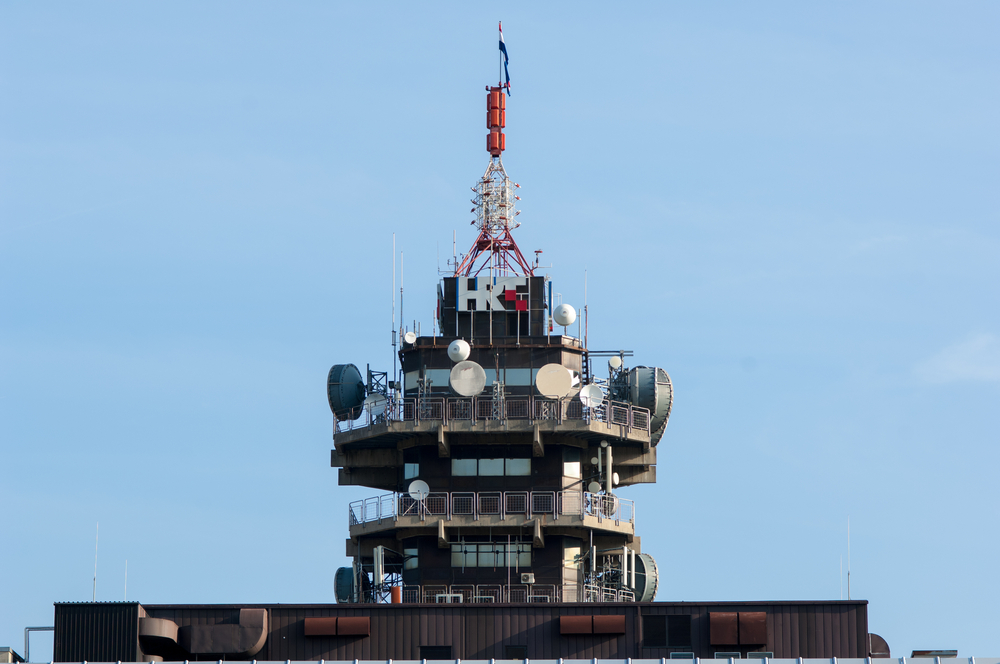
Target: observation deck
{"type": "Point", "coordinates": [607, 514]}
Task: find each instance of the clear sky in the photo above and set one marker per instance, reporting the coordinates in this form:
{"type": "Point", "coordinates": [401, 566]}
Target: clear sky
{"type": "Point", "coordinates": [792, 207]}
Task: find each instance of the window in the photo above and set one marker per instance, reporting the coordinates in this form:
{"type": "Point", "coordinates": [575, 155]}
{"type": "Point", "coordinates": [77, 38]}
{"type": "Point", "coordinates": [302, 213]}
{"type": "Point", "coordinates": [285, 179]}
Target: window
{"type": "Point", "coordinates": [491, 554]}
{"type": "Point", "coordinates": [411, 470]}
{"type": "Point", "coordinates": [471, 284]}
{"type": "Point", "coordinates": [411, 559]}
{"type": "Point", "coordinates": [654, 632]}
{"type": "Point", "coordinates": [491, 467]}
{"type": "Point", "coordinates": [470, 305]}
{"type": "Point", "coordinates": [463, 555]}
{"type": "Point", "coordinates": [518, 466]}
{"type": "Point", "coordinates": [435, 652]}
{"type": "Point", "coordinates": [679, 631]}
{"type": "Point", "coordinates": [515, 652]}
{"type": "Point", "coordinates": [727, 655]}
{"type": "Point", "coordinates": [571, 463]}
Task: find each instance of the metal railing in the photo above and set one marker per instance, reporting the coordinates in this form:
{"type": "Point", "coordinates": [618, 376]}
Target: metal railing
{"type": "Point", "coordinates": [480, 409]}
{"type": "Point", "coordinates": [513, 593]}
{"type": "Point", "coordinates": [391, 506]}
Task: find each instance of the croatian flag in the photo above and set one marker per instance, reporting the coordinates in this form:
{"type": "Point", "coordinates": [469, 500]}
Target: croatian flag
{"type": "Point", "coordinates": [503, 49]}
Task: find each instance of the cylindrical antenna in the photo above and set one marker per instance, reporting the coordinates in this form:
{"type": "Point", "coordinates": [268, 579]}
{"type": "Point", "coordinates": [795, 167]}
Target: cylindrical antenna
{"type": "Point", "coordinates": [632, 553]}
{"type": "Point", "coordinates": [97, 533]}
{"type": "Point", "coordinates": [125, 594]}
{"type": "Point", "coordinates": [848, 557]}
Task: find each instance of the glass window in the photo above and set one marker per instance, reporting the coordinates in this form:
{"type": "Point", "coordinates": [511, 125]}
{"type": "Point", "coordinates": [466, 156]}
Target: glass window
{"type": "Point", "coordinates": [491, 467]}
{"type": "Point", "coordinates": [411, 470]}
{"type": "Point", "coordinates": [487, 555]}
{"type": "Point", "coordinates": [571, 463]}
{"type": "Point", "coordinates": [463, 467]}
{"type": "Point", "coordinates": [518, 466]}
{"type": "Point", "coordinates": [571, 554]}
{"type": "Point", "coordinates": [524, 555]}
{"type": "Point", "coordinates": [463, 555]}
{"type": "Point", "coordinates": [410, 560]}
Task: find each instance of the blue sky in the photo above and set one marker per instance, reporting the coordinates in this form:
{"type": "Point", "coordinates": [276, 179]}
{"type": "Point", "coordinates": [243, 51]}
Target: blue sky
{"type": "Point", "coordinates": [792, 207]}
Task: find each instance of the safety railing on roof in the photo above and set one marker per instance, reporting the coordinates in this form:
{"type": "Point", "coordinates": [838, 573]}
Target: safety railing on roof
{"type": "Point", "coordinates": [513, 593]}
{"type": "Point", "coordinates": [392, 506]}
{"type": "Point", "coordinates": [486, 408]}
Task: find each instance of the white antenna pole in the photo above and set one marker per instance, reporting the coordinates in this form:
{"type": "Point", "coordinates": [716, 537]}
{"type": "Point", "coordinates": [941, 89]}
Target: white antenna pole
{"type": "Point", "coordinates": [586, 325]}
{"type": "Point", "coordinates": [393, 308]}
{"type": "Point", "coordinates": [125, 594]}
{"type": "Point", "coordinates": [402, 319]}
{"type": "Point", "coordinates": [97, 534]}
{"type": "Point", "coordinates": [848, 557]}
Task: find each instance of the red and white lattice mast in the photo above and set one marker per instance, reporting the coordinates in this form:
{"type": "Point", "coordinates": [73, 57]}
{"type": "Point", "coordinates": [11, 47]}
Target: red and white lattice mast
{"type": "Point", "coordinates": [495, 205]}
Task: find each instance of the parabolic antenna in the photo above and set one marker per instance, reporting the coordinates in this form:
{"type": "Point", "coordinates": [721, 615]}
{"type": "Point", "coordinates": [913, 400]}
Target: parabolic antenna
{"type": "Point", "coordinates": [467, 378]}
{"type": "Point", "coordinates": [591, 396]}
{"type": "Point", "coordinates": [376, 404]}
{"type": "Point", "coordinates": [647, 578]}
{"type": "Point", "coordinates": [554, 380]}
{"type": "Point", "coordinates": [650, 387]}
{"type": "Point", "coordinates": [409, 338]}
{"type": "Point", "coordinates": [614, 478]}
{"type": "Point", "coordinates": [615, 362]}
{"type": "Point", "coordinates": [343, 584]}
{"type": "Point", "coordinates": [458, 350]}
{"type": "Point", "coordinates": [594, 487]}
{"type": "Point", "coordinates": [418, 490]}
{"type": "Point", "coordinates": [345, 391]}
{"type": "Point", "coordinates": [564, 315]}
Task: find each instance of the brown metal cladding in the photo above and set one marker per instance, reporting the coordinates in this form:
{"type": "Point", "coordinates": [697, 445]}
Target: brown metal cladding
{"type": "Point", "coordinates": [723, 628]}
{"type": "Point", "coordinates": [102, 632]}
{"type": "Point", "coordinates": [609, 624]}
{"type": "Point", "coordinates": [108, 632]}
{"type": "Point", "coordinates": [753, 628]}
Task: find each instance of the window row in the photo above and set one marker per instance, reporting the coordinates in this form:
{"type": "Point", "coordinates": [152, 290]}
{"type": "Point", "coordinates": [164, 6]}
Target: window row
{"type": "Point", "coordinates": [515, 554]}
{"type": "Point", "coordinates": [490, 467]}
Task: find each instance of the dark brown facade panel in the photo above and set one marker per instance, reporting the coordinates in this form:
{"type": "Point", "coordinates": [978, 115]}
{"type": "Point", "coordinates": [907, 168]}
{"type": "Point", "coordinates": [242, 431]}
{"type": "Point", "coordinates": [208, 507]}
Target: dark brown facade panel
{"type": "Point", "coordinates": [320, 626]}
{"type": "Point", "coordinates": [354, 626]}
{"type": "Point", "coordinates": [753, 628]}
{"type": "Point", "coordinates": [576, 625]}
{"type": "Point", "coordinates": [723, 628]}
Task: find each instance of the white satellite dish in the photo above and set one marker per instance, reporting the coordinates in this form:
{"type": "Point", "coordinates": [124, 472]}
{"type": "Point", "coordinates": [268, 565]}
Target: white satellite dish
{"type": "Point", "coordinates": [594, 461]}
{"type": "Point", "coordinates": [458, 350]}
{"type": "Point", "coordinates": [375, 404]}
{"type": "Point", "coordinates": [410, 338]}
{"type": "Point", "coordinates": [594, 487]}
{"type": "Point", "coordinates": [591, 396]}
{"type": "Point", "coordinates": [467, 378]}
{"type": "Point", "coordinates": [418, 490]}
{"type": "Point", "coordinates": [615, 362]}
{"type": "Point", "coordinates": [614, 477]}
{"type": "Point", "coordinates": [554, 380]}
{"type": "Point", "coordinates": [564, 315]}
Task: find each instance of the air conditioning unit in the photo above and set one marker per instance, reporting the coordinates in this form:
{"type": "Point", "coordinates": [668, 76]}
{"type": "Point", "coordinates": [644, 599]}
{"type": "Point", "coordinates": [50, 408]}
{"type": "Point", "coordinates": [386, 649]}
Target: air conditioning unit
{"type": "Point", "coordinates": [527, 577]}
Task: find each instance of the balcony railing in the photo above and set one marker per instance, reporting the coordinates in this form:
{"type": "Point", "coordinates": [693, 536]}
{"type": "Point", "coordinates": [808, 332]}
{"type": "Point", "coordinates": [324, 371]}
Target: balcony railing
{"type": "Point", "coordinates": [479, 409]}
{"type": "Point", "coordinates": [392, 506]}
{"type": "Point", "coordinates": [513, 593]}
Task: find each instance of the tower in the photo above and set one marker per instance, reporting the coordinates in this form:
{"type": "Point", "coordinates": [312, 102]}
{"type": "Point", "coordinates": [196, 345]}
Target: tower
{"type": "Point", "coordinates": [499, 452]}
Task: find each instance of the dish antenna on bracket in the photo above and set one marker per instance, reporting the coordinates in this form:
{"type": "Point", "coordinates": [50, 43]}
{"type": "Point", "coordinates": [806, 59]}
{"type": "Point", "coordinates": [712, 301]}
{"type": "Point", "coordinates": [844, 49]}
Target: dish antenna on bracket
{"type": "Point", "coordinates": [418, 490]}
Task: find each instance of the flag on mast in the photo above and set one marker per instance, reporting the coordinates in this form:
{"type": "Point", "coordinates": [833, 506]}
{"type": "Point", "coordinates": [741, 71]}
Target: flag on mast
{"type": "Point", "coordinates": [503, 49]}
